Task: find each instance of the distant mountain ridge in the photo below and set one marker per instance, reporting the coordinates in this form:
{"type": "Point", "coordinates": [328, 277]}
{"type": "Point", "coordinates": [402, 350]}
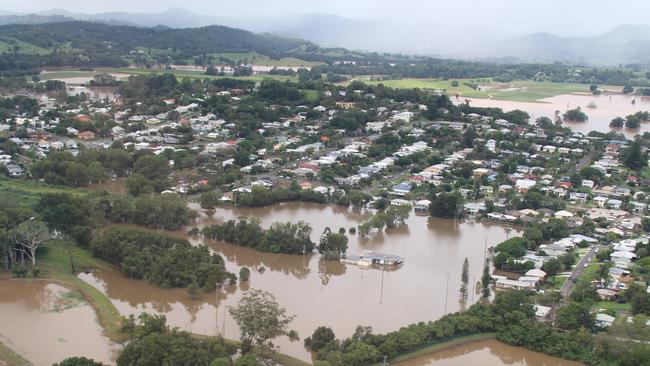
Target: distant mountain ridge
{"type": "Point", "coordinates": [624, 44]}
{"type": "Point", "coordinates": [120, 38]}
{"type": "Point", "coordinates": [173, 18]}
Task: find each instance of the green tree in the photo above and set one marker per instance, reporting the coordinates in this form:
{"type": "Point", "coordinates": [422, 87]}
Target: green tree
{"type": "Point", "coordinates": [96, 172]}
{"type": "Point", "coordinates": [209, 200]}
{"type": "Point", "coordinates": [552, 267]}
{"type": "Point", "coordinates": [260, 320]}
{"type": "Point", "coordinates": [645, 224]}
{"type": "Point", "coordinates": [617, 122]}
{"type": "Point", "coordinates": [447, 205]}
{"type": "Point", "coordinates": [118, 161]}
{"type": "Point", "coordinates": [485, 279]}
{"type": "Point", "coordinates": [78, 361]}
{"type": "Point", "coordinates": [321, 337]}
{"type": "Point", "coordinates": [534, 235]}
{"type": "Point", "coordinates": [75, 174]}
{"type": "Point", "coordinates": [634, 158]}
{"type": "Point", "coordinates": [574, 316]}
{"type": "Point", "coordinates": [332, 245]}
{"type": "Point", "coordinates": [137, 184]}
{"type": "Point", "coordinates": [247, 360]}
{"type": "Point", "coordinates": [464, 280]}
{"type": "Point", "coordinates": [469, 136]}
{"type": "Point", "coordinates": [152, 166]}
{"type": "Point", "coordinates": [576, 115]}
{"type": "Point", "coordinates": [244, 274]}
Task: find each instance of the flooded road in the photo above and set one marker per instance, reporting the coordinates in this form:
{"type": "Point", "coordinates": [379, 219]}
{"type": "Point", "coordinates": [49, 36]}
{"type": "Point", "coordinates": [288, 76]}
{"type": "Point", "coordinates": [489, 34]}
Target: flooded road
{"type": "Point", "coordinates": [607, 108]}
{"type": "Point", "coordinates": [487, 353]}
{"type": "Point", "coordinates": [326, 293]}
{"type": "Point", "coordinates": [46, 323]}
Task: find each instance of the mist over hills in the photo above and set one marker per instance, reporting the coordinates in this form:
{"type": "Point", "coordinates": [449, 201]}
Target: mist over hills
{"type": "Point", "coordinates": [623, 44]}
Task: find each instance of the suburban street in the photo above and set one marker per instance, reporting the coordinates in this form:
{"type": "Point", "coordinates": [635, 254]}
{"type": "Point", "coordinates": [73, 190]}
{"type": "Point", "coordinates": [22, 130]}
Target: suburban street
{"type": "Point", "coordinates": [568, 285]}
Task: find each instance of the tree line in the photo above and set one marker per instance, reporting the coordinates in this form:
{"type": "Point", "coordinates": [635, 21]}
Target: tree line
{"type": "Point", "coordinates": [280, 237]}
{"type": "Point", "coordinates": [511, 316]}
{"type": "Point", "coordinates": [163, 260]}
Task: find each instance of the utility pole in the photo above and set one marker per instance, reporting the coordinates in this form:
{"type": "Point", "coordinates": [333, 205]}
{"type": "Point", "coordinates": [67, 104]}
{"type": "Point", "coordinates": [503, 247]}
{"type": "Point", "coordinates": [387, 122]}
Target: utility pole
{"type": "Point", "coordinates": [473, 287]}
{"type": "Point", "coordinates": [381, 294]}
{"type": "Point", "coordinates": [216, 311]}
{"type": "Point", "coordinates": [485, 250]}
{"type": "Point", "coordinates": [447, 293]}
{"type": "Point", "coordinates": [224, 322]}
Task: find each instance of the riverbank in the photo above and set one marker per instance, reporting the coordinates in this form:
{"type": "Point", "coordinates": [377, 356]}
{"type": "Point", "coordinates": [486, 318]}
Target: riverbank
{"type": "Point", "coordinates": [55, 268]}
{"type": "Point", "coordinates": [10, 358]}
{"type": "Point", "coordinates": [439, 346]}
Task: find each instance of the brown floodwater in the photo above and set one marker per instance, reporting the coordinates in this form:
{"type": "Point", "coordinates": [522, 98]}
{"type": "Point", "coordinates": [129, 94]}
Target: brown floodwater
{"type": "Point", "coordinates": [607, 108]}
{"type": "Point", "coordinates": [112, 186]}
{"type": "Point", "coordinates": [487, 353]}
{"type": "Point", "coordinates": [325, 293]}
{"type": "Point", "coordinates": [43, 324]}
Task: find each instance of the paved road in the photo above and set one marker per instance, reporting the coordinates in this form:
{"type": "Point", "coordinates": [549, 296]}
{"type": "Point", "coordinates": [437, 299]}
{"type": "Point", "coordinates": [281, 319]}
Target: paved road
{"type": "Point", "coordinates": [568, 285]}
{"type": "Point", "coordinates": [587, 159]}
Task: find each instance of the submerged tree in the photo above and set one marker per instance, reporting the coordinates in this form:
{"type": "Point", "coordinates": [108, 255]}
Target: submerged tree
{"type": "Point", "coordinates": [260, 319]}
{"type": "Point", "coordinates": [333, 245]}
{"type": "Point", "coordinates": [485, 279]}
{"type": "Point", "coordinates": [464, 280]}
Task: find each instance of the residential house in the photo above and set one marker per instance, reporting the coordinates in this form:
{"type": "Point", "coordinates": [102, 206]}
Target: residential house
{"type": "Point", "coordinates": [422, 207]}
{"type": "Point", "coordinates": [401, 189]}
{"type": "Point", "coordinates": [86, 135]}
{"type": "Point", "coordinates": [604, 320]}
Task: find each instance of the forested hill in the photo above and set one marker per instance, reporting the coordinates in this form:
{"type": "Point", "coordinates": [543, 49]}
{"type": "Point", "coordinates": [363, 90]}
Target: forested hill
{"type": "Point", "coordinates": [193, 41]}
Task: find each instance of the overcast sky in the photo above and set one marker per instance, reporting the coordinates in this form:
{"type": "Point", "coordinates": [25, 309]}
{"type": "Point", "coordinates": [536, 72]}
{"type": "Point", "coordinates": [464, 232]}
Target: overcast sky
{"type": "Point", "coordinates": [503, 17]}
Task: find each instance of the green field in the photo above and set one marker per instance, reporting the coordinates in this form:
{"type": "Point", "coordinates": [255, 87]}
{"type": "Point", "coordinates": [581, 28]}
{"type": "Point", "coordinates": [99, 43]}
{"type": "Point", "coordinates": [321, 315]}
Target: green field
{"type": "Point", "coordinates": [28, 192]}
{"type": "Point", "coordinates": [7, 46]}
{"type": "Point", "coordinates": [559, 281]}
{"type": "Point", "coordinates": [519, 90]}
{"type": "Point", "coordinates": [611, 305]}
{"type": "Point", "coordinates": [65, 74]}
{"type": "Point", "coordinates": [263, 60]}
{"type": "Point", "coordinates": [590, 272]}
{"type": "Point", "coordinates": [191, 74]}
{"type": "Point", "coordinates": [55, 75]}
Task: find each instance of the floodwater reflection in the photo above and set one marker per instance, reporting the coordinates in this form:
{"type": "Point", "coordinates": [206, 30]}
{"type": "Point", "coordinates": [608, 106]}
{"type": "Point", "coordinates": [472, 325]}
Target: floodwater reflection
{"type": "Point", "coordinates": [46, 323]}
{"type": "Point", "coordinates": [487, 353]}
{"type": "Point", "coordinates": [325, 293]}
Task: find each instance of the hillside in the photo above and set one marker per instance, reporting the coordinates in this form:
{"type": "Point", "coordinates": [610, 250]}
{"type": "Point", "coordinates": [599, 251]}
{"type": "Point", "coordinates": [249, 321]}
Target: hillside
{"type": "Point", "coordinates": [91, 36]}
{"type": "Point", "coordinates": [622, 45]}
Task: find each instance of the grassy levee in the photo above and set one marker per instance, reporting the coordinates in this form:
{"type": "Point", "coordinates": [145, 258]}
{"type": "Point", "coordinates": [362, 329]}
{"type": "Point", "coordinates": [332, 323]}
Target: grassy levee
{"type": "Point", "coordinates": [10, 358]}
{"type": "Point", "coordinates": [287, 360]}
{"type": "Point", "coordinates": [56, 266]}
{"type": "Point", "coordinates": [439, 346]}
